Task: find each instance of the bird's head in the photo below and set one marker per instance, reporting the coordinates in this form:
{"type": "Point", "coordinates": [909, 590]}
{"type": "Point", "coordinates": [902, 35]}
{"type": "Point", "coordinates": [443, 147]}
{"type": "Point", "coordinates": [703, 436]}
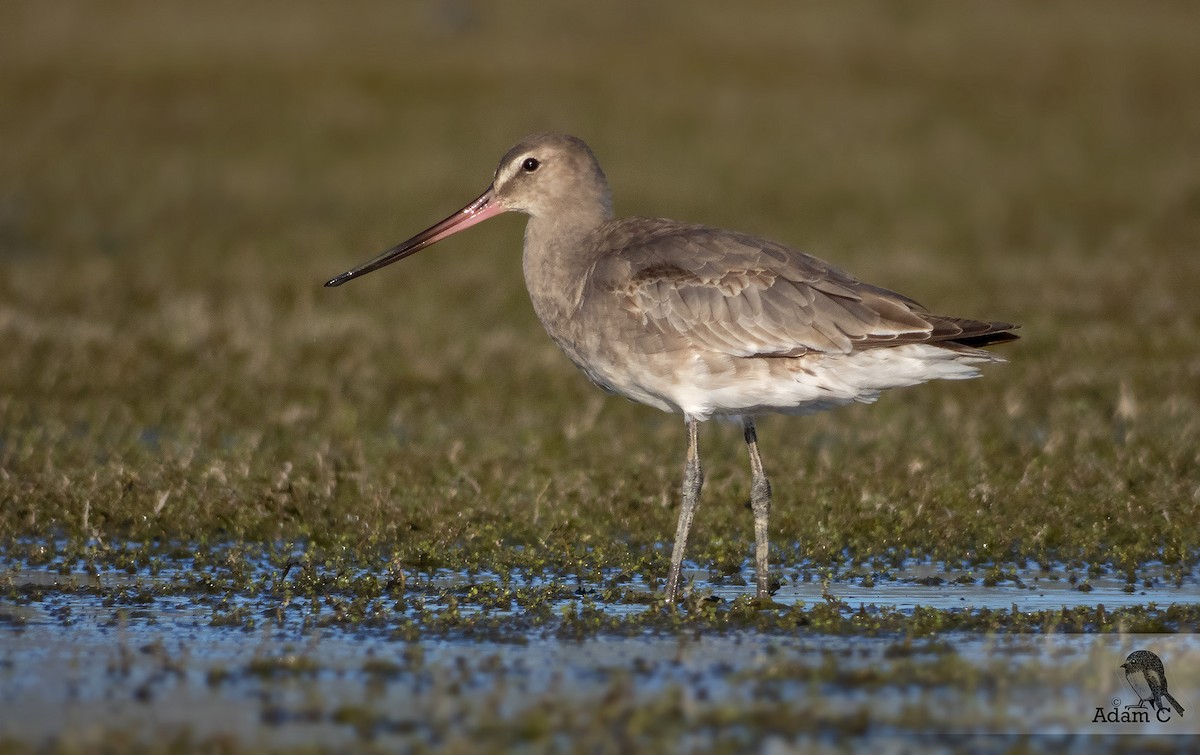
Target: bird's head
{"type": "Point", "coordinates": [552, 174]}
{"type": "Point", "coordinates": [544, 175]}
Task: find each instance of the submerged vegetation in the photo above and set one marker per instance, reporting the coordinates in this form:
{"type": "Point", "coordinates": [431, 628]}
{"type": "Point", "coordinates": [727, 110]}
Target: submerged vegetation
{"type": "Point", "coordinates": [215, 648]}
{"type": "Point", "coordinates": [186, 414]}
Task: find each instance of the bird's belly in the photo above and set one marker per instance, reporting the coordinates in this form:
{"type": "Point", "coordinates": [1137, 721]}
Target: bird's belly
{"type": "Point", "coordinates": [705, 384]}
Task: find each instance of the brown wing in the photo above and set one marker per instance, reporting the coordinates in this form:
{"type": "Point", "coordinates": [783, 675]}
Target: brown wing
{"type": "Point", "coordinates": [745, 296]}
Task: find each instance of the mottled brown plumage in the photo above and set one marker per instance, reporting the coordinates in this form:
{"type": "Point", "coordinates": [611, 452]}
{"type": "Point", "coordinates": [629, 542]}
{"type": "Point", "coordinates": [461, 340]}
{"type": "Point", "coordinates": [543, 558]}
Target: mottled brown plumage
{"type": "Point", "coordinates": [747, 297]}
{"type": "Point", "coordinates": [703, 321]}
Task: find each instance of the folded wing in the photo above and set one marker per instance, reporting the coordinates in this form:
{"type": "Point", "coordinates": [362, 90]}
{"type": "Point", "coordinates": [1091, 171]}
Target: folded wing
{"type": "Point", "coordinates": [748, 297]}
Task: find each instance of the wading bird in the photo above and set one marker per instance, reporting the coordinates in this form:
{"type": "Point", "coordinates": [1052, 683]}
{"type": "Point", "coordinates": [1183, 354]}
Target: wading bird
{"type": "Point", "coordinates": [702, 321]}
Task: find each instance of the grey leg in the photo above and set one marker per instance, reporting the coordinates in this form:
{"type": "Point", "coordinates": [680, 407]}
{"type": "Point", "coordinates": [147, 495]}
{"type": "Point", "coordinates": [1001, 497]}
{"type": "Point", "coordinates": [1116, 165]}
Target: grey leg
{"type": "Point", "coordinates": [693, 480]}
{"type": "Point", "coordinates": [760, 502]}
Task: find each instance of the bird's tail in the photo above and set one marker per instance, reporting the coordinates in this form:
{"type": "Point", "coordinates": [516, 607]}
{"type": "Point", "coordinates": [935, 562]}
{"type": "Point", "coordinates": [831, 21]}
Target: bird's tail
{"type": "Point", "coordinates": [1174, 703]}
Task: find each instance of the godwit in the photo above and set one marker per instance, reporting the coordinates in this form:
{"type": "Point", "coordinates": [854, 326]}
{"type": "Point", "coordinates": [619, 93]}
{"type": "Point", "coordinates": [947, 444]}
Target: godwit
{"type": "Point", "coordinates": [702, 321]}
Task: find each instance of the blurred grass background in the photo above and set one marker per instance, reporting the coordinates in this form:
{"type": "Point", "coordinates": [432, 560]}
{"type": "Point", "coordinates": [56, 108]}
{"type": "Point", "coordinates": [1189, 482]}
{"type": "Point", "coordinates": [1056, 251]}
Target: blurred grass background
{"type": "Point", "coordinates": [177, 180]}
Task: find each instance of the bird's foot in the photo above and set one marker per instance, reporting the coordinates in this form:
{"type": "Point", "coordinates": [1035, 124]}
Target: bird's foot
{"type": "Point", "coordinates": [676, 594]}
{"type": "Point", "coordinates": [698, 600]}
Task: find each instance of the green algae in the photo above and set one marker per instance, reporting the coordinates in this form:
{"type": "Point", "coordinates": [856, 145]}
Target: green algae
{"type": "Point", "coordinates": [190, 426]}
{"type": "Point", "coordinates": [173, 369]}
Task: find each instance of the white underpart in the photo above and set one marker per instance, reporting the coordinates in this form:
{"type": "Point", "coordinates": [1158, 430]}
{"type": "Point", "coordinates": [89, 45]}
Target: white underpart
{"type": "Point", "coordinates": [806, 385]}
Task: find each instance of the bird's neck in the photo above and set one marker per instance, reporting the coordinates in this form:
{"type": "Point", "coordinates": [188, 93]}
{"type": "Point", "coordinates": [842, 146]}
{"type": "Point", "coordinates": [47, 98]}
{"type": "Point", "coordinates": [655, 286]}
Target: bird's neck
{"type": "Point", "coordinates": [559, 251]}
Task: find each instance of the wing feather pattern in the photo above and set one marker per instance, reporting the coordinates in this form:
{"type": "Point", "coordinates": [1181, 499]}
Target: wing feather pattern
{"type": "Point", "coordinates": [747, 297]}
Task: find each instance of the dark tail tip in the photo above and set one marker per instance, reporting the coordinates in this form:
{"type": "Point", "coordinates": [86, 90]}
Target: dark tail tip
{"type": "Point", "coordinates": [996, 332]}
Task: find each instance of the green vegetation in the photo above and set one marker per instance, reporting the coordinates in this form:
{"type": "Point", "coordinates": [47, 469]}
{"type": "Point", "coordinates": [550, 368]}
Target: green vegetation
{"type": "Point", "coordinates": [176, 182]}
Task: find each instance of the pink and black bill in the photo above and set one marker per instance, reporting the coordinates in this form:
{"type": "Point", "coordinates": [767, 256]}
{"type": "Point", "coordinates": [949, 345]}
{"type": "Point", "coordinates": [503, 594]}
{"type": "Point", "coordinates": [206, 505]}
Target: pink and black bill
{"type": "Point", "coordinates": [484, 207]}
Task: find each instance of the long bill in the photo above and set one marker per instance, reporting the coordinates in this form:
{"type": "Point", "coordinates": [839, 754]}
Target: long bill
{"type": "Point", "coordinates": [484, 207]}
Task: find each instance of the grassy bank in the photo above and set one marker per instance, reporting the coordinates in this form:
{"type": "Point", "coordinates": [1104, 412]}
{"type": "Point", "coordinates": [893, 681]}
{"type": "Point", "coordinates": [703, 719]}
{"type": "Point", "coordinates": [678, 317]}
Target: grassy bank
{"type": "Point", "coordinates": [177, 181]}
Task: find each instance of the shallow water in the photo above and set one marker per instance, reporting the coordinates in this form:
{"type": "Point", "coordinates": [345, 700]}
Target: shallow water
{"type": "Point", "coordinates": [935, 586]}
{"type": "Point", "coordinates": [82, 683]}
{"type": "Point", "coordinates": [191, 653]}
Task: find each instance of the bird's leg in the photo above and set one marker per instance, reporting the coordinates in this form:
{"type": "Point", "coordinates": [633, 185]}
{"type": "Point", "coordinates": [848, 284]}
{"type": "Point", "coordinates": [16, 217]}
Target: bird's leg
{"type": "Point", "coordinates": [693, 480]}
{"type": "Point", "coordinates": [760, 502]}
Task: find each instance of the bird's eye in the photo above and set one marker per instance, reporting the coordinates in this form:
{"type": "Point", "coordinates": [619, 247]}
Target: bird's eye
{"type": "Point", "coordinates": [530, 165]}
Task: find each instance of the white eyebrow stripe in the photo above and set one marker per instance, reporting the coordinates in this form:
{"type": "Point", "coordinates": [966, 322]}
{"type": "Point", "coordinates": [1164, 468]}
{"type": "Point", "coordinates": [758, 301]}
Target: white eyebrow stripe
{"type": "Point", "coordinates": [509, 169]}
